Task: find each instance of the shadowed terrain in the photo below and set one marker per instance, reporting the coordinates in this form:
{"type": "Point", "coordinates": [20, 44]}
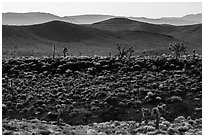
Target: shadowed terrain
{"type": "Point", "coordinates": [99, 38]}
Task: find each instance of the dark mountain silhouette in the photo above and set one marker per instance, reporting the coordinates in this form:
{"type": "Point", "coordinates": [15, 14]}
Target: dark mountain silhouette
{"type": "Point", "coordinates": [119, 24]}
{"type": "Point", "coordinates": [39, 17]}
{"type": "Point", "coordinates": [39, 39]}
{"type": "Point", "coordinates": [189, 33]}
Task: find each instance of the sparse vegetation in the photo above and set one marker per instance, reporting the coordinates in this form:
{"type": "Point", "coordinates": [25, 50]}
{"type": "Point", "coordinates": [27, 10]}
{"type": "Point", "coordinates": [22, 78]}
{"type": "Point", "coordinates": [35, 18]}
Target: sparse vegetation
{"type": "Point", "coordinates": [180, 126]}
{"type": "Point", "coordinates": [65, 52]}
{"type": "Point", "coordinates": [177, 48]}
{"type": "Point", "coordinates": [146, 90]}
{"type": "Point", "coordinates": [123, 52]}
{"type": "Point", "coordinates": [53, 55]}
{"type": "Point", "coordinates": [106, 90]}
{"type": "Point", "coordinates": [137, 86]}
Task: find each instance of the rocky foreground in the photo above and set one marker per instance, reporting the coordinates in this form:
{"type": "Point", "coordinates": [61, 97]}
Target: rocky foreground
{"type": "Point", "coordinates": [87, 90]}
{"type": "Point", "coordinates": [180, 126]}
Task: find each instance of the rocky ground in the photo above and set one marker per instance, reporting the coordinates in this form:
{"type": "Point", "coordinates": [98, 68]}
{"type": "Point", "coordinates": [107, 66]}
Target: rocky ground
{"type": "Point", "coordinates": [180, 126]}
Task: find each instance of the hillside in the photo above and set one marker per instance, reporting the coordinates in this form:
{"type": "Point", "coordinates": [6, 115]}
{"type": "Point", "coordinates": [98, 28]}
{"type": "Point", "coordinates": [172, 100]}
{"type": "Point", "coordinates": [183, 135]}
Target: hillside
{"type": "Point", "coordinates": [38, 40]}
{"type": "Point", "coordinates": [119, 24]}
{"type": "Point", "coordinates": [189, 33]}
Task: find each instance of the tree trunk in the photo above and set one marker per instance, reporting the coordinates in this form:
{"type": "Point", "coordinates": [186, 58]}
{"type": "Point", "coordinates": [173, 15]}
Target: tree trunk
{"type": "Point", "coordinates": [53, 52]}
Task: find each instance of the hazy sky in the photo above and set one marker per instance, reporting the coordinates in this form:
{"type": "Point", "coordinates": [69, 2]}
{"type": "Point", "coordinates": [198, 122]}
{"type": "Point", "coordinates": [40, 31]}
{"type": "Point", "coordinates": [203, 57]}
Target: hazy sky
{"type": "Point", "coordinates": [137, 9]}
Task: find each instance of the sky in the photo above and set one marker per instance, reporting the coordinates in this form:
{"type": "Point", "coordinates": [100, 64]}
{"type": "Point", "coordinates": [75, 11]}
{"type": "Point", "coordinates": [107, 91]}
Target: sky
{"type": "Point", "coordinates": [134, 9]}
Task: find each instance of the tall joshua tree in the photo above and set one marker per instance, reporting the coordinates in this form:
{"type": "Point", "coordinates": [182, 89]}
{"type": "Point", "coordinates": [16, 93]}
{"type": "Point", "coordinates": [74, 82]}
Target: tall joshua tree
{"type": "Point", "coordinates": [123, 52]}
{"type": "Point", "coordinates": [177, 48]}
{"type": "Point", "coordinates": [53, 55]}
{"type": "Point", "coordinates": [65, 52]}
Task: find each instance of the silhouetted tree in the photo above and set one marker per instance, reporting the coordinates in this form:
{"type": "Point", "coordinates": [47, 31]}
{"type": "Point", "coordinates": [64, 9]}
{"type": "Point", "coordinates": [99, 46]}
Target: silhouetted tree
{"type": "Point", "coordinates": [123, 52]}
{"type": "Point", "coordinates": [65, 52]}
{"type": "Point", "coordinates": [177, 48]}
{"type": "Point", "coordinates": [53, 55]}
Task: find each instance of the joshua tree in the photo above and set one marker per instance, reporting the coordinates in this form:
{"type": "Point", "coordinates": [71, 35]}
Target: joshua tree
{"type": "Point", "coordinates": [177, 48]}
{"type": "Point", "coordinates": [123, 52]}
{"type": "Point", "coordinates": [110, 54]}
{"type": "Point", "coordinates": [60, 109]}
{"type": "Point", "coordinates": [146, 114]}
{"type": "Point", "coordinates": [157, 111]}
{"type": "Point", "coordinates": [194, 53]}
{"type": "Point", "coordinates": [80, 54]}
{"type": "Point", "coordinates": [130, 50]}
{"type": "Point", "coordinates": [65, 52]}
{"type": "Point", "coordinates": [10, 83]}
{"type": "Point", "coordinates": [157, 115]}
{"type": "Point", "coordinates": [14, 52]}
{"type": "Point", "coordinates": [53, 55]}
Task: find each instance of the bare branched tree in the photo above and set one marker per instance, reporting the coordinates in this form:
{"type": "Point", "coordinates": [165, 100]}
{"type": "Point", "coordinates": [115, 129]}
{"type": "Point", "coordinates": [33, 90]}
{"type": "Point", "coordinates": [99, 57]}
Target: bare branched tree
{"type": "Point", "coordinates": [123, 52]}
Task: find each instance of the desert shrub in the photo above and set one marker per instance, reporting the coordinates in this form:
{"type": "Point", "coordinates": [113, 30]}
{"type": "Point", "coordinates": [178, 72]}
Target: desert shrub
{"type": "Point", "coordinates": [146, 114]}
{"type": "Point", "coordinates": [177, 48]}
{"type": "Point", "coordinates": [157, 116]}
{"type": "Point", "coordinates": [10, 127]}
{"type": "Point", "coordinates": [174, 99]}
{"type": "Point", "coordinates": [106, 87]}
{"type": "Point", "coordinates": [65, 52]}
{"type": "Point", "coordinates": [172, 131]}
{"type": "Point", "coordinates": [123, 52]}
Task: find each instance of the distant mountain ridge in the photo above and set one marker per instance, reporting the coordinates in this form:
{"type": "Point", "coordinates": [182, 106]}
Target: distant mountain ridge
{"type": "Point", "coordinates": [185, 20]}
{"type": "Point", "coordinates": [87, 19]}
{"type": "Point", "coordinates": [28, 18]}
{"type": "Point", "coordinates": [39, 17]}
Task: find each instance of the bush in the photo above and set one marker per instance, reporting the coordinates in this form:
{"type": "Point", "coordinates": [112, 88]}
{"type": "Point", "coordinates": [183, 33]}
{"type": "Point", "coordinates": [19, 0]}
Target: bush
{"type": "Point", "coordinates": [174, 99]}
{"type": "Point", "coordinates": [177, 48]}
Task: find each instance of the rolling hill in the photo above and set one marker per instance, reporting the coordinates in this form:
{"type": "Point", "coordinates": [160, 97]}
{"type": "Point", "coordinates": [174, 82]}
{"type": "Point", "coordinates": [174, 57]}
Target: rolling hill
{"type": "Point", "coordinates": [120, 24]}
{"type": "Point", "coordinates": [38, 40]}
{"type": "Point", "coordinates": [189, 33]}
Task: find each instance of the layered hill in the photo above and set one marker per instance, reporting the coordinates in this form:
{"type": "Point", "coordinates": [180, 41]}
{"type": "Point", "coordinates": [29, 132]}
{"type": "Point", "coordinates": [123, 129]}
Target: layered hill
{"type": "Point", "coordinates": [87, 19]}
{"type": "Point", "coordinates": [189, 33]}
{"type": "Point", "coordinates": [178, 21]}
{"type": "Point", "coordinates": [31, 18]}
{"type": "Point", "coordinates": [38, 40]}
{"type": "Point", "coordinates": [120, 24]}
